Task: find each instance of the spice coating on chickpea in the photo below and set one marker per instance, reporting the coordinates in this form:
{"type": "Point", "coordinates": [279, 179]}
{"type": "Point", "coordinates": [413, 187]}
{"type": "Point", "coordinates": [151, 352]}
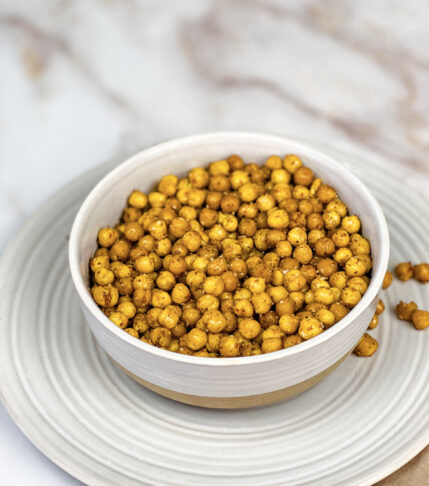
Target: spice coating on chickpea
{"type": "Point", "coordinates": [233, 259]}
{"type": "Point", "coordinates": [366, 346]}
{"type": "Point", "coordinates": [404, 271]}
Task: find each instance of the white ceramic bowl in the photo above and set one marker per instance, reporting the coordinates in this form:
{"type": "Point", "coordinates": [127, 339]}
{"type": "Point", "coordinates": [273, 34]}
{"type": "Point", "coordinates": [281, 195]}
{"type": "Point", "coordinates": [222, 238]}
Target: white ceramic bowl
{"type": "Point", "coordinates": [232, 382]}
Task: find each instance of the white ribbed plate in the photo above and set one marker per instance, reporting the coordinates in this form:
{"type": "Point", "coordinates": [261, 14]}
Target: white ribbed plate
{"type": "Point", "coordinates": [364, 421]}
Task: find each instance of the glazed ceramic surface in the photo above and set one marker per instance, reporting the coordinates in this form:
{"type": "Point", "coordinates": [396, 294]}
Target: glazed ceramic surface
{"type": "Point", "coordinates": [233, 377]}
{"type": "Point", "coordinates": [363, 422]}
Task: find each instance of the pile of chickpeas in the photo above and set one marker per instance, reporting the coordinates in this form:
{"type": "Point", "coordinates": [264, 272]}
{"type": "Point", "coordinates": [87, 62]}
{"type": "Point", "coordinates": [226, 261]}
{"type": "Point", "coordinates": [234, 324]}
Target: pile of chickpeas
{"type": "Point", "coordinates": [235, 259]}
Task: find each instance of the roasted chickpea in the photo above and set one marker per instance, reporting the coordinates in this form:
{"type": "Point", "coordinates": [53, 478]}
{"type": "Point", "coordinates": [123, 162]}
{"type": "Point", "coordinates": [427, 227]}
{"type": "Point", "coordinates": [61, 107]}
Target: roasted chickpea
{"type": "Point", "coordinates": [388, 279]}
{"type": "Point", "coordinates": [103, 276]}
{"type": "Point", "coordinates": [324, 247]}
{"type": "Point", "coordinates": [374, 322]}
{"type": "Point", "coordinates": [341, 238]}
{"type": "Point", "coordinates": [404, 271]}
{"type": "Point", "coordinates": [326, 267]}
{"type": "Point", "coordinates": [326, 193]}
{"type": "Point", "coordinates": [380, 307]}
{"type": "Point", "coordinates": [289, 323]}
{"type": "Point", "coordinates": [420, 319]}
{"type": "Point", "coordinates": [366, 346]}
{"type": "Point", "coordinates": [339, 310]}
{"type": "Point", "coordinates": [105, 295]}
{"type": "Point", "coordinates": [120, 319]}
{"type": "Point", "coordinates": [293, 340]}
{"type": "Point", "coordinates": [405, 311]}
{"type": "Point", "coordinates": [421, 272]}
{"type": "Point", "coordinates": [351, 224]}
{"type": "Point", "coordinates": [350, 297]}
{"type": "Point", "coordinates": [310, 328]}
{"type": "Point", "coordinates": [355, 267]}
{"type": "Point", "coordinates": [249, 328]}
{"type": "Point", "coordinates": [243, 308]}
{"type": "Point", "coordinates": [326, 317]}
{"type": "Point", "coordinates": [303, 254]}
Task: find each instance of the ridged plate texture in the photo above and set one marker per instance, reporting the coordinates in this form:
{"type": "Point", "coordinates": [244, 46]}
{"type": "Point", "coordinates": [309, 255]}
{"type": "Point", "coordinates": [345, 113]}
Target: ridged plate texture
{"type": "Point", "coordinates": [367, 419]}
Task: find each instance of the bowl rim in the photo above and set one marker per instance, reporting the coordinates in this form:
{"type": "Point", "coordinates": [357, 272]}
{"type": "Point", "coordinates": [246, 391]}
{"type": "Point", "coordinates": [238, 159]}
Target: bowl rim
{"type": "Point", "coordinates": [219, 137]}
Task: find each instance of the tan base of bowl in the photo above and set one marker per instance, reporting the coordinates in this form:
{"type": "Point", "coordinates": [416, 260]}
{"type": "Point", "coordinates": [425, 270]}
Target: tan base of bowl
{"type": "Point", "coordinates": [236, 402]}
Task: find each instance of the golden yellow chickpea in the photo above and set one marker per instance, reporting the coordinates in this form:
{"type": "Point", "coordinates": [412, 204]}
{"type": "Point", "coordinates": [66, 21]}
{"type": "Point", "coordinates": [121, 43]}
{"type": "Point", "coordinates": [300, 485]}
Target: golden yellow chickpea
{"type": "Point", "coordinates": [161, 337]}
{"type": "Point", "coordinates": [265, 202]}
{"type": "Point", "coordinates": [351, 224]}
{"type": "Point", "coordinates": [405, 311]}
{"type": "Point", "coordinates": [324, 296]}
{"type": "Point", "coordinates": [338, 279]}
{"type": "Point", "coordinates": [168, 185]}
{"type": "Point", "coordinates": [180, 294]}
{"type": "Point", "coordinates": [326, 267]}
{"type": "Point", "coordinates": [293, 340]}
{"type": "Point", "coordinates": [229, 346]}
{"type": "Point", "coordinates": [303, 254]}
{"type": "Point", "coordinates": [292, 163]}
{"type": "Point", "coordinates": [310, 328]}
{"type": "Point", "coordinates": [339, 310]}
{"type": "Point", "coordinates": [214, 285]}
{"type": "Point", "coordinates": [326, 193]}
{"type": "Point", "coordinates": [142, 297]}
{"type": "Point", "coordinates": [374, 322]}
{"type": "Point", "coordinates": [214, 321]}
{"type": "Point", "coordinates": [421, 272]}
{"type": "Point", "coordinates": [350, 297]}
{"type": "Point", "coordinates": [157, 199]}
{"type": "Point", "coordinates": [324, 247]}
{"type": "Point", "coordinates": [190, 316]}
{"type": "Point", "coordinates": [342, 255]}
{"type": "Point", "coordinates": [355, 267]}
{"type": "Point", "coordinates": [261, 302]}
{"type": "Point", "coordinates": [160, 298]}
{"type": "Point", "coordinates": [420, 319]}
{"type": "Point", "coordinates": [280, 176]}
{"type": "Point", "coordinates": [132, 332]}
{"type": "Point", "coordinates": [272, 344]}
{"type": "Point", "coordinates": [289, 323]}
{"type": "Point", "coordinates": [196, 339]}
{"type": "Point", "coordinates": [248, 192]}
{"type": "Point", "coordinates": [297, 236]}
{"type": "Point", "coordinates": [249, 328]}
{"type": "Point", "coordinates": [230, 281]}
{"type": "Point", "coordinates": [207, 302]}
{"type": "Point", "coordinates": [101, 261]}
{"type": "Point", "coordinates": [177, 265]}
{"type": "Point", "coordinates": [243, 308]}
{"type": "Point", "coordinates": [105, 295]}
{"type": "Point", "coordinates": [341, 238]}
{"type": "Point", "coordinates": [142, 282]}
{"type": "Point", "coordinates": [195, 278]}
{"type": "Point", "coordinates": [137, 199]}
{"type": "Point", "coordinates": [388, 279]}
{"type": "Point", "coordinates": [104, 276]}
{"type": "Point", "coordinates": [133, 231]}
{"type": "Point", "coordinates": [331, 219]}
{"type": "Point", "coordinates": [255, 285]}
{"type": "Point", "coordinates": [278, 293]}
{"type": "Point", "coordinates": [144, 264]}
{"type": "Point", "coordinates": [360, 246]}
{"type": "Point", "coordinates": [358, 283]}
{"type": "Point", "coordinates": [169, 316]}
{"type": "Point", "coordinates": [404, 271]}
{"type": "Point", "coordinates": [120, 319]}
{"type": "Point", "coordinates": [380, 307]}
{"type": "Point", "coordinates": [198, 177]}
{"type": "Point", "coordinates": [128, 309]}
{"type": "Point", "coordinates": [107, 237]}
{"type": "Point", "coordinates": [366, 346]}
{"type": "Point", "coordinates": [294, 281]}
{"type": "Point", "coordinates": [326, 317]}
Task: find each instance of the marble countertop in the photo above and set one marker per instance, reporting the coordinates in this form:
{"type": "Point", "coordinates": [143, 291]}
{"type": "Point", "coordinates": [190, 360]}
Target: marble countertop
{"type": "Point", "coordinates": [83, 82]}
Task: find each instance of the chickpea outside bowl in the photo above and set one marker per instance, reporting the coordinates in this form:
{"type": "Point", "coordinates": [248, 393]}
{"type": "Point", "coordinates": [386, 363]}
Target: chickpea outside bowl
{"type": "Point", "coordinates": [236, 381]}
